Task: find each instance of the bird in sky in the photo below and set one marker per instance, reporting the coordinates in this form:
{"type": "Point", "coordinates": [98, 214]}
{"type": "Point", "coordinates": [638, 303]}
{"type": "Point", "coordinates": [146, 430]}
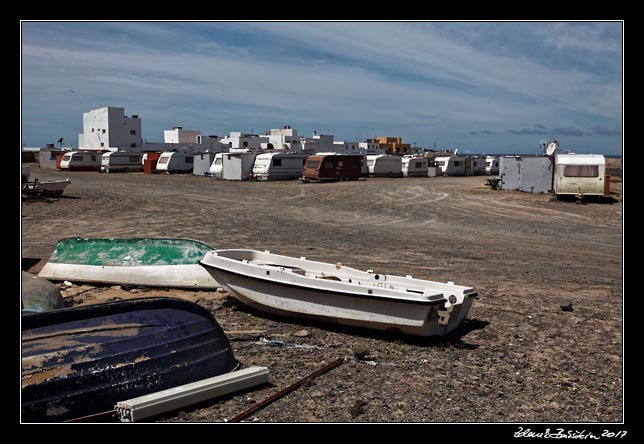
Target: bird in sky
{"type": "Point", "coordinates": [72, 91]}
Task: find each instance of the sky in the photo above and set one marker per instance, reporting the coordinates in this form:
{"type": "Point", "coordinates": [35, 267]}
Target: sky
{"type": "Point", "coordinates": [481, 87]}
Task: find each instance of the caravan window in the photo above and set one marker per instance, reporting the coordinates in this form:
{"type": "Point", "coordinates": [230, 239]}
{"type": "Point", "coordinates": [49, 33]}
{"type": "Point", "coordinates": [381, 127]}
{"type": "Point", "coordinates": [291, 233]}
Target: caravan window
{"type": "Point", "coordinates": [134, 158]}
{"type": "Point", "coordinates": [457, 163]}
{"type": "Point", "coordinates": [163, 160]}
{"type": "Point", "coordinates": [67, 157]}
{"type": "Point", "coordinates": [581, 171]}
{"type": "Point", "coordinates": [313, 164]}
{"type": "Point", "coordinates": [218, 161]}
{"type": "Point", "coordinates": [419, 164]}
{"type": "Point", "coordinates": [189, 159]}
{"type": "Point", "coordinates": [277, 162]}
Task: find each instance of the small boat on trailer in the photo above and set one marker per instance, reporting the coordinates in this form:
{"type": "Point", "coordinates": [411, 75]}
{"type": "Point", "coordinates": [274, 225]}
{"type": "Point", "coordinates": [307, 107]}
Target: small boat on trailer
{"type": "Point", "coordinates": [54, 188]}
{"type": "Point", "coordinates": [81, 361]}
{"type": "Point", "coordinates": [153, 262]}
{"type": "Point", "coordinates": [303, 288]}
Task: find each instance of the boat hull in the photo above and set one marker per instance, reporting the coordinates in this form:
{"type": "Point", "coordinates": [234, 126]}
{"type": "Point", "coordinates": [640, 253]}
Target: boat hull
{"type": "Point", "coordinates": [81, 361]}
{"type": "Point", "coordinates": [39, 294]}
{"type": "Point", "coordinates": [55, 188]}
{"type": "Point", "coordinates": [153, 262]}
{"type": "Point", "coordinates": [286, 294]}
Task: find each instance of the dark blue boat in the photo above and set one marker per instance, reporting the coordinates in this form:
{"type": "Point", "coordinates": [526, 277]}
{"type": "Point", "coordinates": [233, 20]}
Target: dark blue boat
{"type": "Point", "coordinates": [81, 361]}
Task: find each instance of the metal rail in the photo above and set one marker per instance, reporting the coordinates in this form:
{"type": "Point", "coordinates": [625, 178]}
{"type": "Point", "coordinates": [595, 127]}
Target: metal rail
{"type": "Point", "coordinates": [285, 391]}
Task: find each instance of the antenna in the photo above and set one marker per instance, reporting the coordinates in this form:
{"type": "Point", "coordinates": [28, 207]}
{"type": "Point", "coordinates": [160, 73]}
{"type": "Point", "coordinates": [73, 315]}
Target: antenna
{"type": "Point", "coordinates": [552, 147]}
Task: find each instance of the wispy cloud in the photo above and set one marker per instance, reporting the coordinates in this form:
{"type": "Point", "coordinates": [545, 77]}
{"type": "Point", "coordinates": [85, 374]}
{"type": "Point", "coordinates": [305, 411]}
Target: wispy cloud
{"type": "Point", "coordinates": [568, 131]}
{"type": "Point", "coordinates": [530, 131]}
{"type": "Point", "coordinates": [600, 130]}
{"type": "Point", "coordinates": [482, 132]}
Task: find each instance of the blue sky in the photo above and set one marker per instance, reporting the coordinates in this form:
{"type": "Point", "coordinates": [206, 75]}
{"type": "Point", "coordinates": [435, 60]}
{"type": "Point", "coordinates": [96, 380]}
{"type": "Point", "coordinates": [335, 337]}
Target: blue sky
{"type": "Point", "coordinates": [490, 87]}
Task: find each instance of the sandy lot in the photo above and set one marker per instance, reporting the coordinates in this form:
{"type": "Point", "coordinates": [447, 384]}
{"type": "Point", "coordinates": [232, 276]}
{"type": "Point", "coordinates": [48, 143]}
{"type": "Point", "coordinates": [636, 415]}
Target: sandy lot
{"type": "Point", "coordinates": [518, 358]}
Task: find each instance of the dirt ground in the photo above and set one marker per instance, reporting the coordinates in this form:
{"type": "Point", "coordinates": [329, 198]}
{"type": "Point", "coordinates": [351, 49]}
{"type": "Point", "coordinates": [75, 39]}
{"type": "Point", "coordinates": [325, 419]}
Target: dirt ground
{"type": "Point", "coordinates": [517, 358]}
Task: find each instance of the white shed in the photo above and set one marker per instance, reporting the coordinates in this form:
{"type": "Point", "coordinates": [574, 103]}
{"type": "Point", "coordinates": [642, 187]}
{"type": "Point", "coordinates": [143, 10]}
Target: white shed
{"type": "Point", "coordinates": [279, 166]}
{"type": "Point", "coordinates": [474, 166]}
{"type": "Point", "coordinates": [233, 166]}
{"type": "Point", "coordinates": [414, 166]}
{"type": "Point", "coordinates": [581, 174]}
{"type": "Point", "coordinates": [175, 162]}
{"type": "Point", "coordinates": [384, 165]}
{"type": "Point", "coordinates": [201, 163]}
{"type": "Point", "coordinates": [532, 174]}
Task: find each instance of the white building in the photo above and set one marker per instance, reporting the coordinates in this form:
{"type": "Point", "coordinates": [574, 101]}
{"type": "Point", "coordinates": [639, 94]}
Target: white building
{"type": "Point", "coordinates": [179, 135]}
{"type": "Point", "coordinates": [284, 138]}
{"type": "Point", "coordinates": [241, 141]}
{"type": "Point", "coordinates": [371, 148]}
{"type": "Point", "coordinates": [109, 127]}
{"type": "Point", "coordinates": [318, 143]}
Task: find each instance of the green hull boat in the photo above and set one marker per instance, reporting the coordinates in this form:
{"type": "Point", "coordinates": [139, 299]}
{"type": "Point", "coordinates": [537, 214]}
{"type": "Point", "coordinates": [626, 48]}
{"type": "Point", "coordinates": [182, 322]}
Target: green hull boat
{"type": "Point", "coordinates": [154, 262]}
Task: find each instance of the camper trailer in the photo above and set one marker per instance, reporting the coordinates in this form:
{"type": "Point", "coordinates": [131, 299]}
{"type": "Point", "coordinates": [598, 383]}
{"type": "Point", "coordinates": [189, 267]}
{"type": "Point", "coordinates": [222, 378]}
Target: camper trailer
{"type": "Point", "coordinates": [121, 162]}
{"type": "Point", "coordinates": [233, 166]}
{"type": "Point", "coordinates": [491, 165]}
{"type": "Point", "coordinates": [384, 165]}
{"type": "Point", "coordinates": [364, 169]}
{"type": "Point", "coordinates": [175, 162]}
{"type": "Point", "coordinates": [201, 163]}
{"type": "Point", "coordinates": [216, 167]}
{"type": "Point", "coordinates": [581, 174]}
{"type": "Point", "coordinates": [279, 166]}
{"type": "Point", "coordinates": [332, 167]}
{"type": "Point", "coordinates": [451, 166]}
{"type": "Point", "coordinates": [414, 166]}
{"type": "Point", "coordinates": [81, 161]}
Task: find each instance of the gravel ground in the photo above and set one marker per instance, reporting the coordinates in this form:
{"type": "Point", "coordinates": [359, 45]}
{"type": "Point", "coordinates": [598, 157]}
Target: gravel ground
{"type": "Point", "coordinates": [517, 358]}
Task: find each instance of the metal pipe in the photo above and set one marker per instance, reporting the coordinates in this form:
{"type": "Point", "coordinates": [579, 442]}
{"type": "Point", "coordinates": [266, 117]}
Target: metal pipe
{"type": "Point", "coordinates": [285, 391]}
{"type": "Point", "coordinates": [90, 417]}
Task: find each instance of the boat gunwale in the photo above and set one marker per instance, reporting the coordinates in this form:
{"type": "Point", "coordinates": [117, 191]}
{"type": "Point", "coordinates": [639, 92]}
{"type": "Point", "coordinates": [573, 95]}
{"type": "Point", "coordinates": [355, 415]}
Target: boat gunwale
{"type": "Point", "coordinates": [135, 238]}
{"type": "Point", "coordinates": [68, 314]}
{"type": "Point", "coordinates": [400, 300]}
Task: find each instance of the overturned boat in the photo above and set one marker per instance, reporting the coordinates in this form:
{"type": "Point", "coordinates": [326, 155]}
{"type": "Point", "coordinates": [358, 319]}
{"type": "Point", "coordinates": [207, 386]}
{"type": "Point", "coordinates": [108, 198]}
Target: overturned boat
{"type": "Point", "coordinates": [38, 294]}
{"type": "Point", "coordinates": [333, 292]}
{"type": "Point", "coordinates": [81, 361]}
{"type": "Point", "coordinates": [155, 262]}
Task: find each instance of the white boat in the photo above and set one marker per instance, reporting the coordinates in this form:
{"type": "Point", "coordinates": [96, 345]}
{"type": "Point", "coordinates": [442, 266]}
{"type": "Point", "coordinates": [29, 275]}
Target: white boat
{"type": "Point", "coordinates": [52, 188]}
{"type": "Point", "coordinates": [332, 292]}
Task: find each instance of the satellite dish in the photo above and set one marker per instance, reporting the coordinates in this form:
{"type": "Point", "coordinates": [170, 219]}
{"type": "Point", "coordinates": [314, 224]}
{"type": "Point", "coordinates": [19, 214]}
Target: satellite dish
{"type": "Point", "coordinates": [552, 148]}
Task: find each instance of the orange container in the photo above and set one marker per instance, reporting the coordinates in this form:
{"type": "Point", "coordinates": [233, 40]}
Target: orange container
{"type": "Point", "coordinates": [149, 165]}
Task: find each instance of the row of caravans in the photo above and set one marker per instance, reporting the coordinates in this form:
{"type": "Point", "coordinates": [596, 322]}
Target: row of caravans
{"type": "Point", "coordinates": [463, 165]}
